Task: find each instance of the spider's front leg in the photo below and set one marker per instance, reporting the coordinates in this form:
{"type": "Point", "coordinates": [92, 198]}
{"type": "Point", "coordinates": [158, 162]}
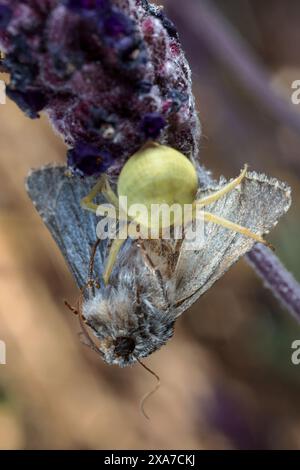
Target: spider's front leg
{"type": "Point", "coordinates": [234, 227]}
{"type": "Point", "coordinates": [221, 192]}
{"type": "Point", "coordinates": [101, 187]}
{"type": "Point", "coordinates": [110, 262]}
{"type": "Point", "coordinates": [220, 220]}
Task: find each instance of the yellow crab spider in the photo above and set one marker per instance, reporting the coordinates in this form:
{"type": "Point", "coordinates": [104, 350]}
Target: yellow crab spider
{"type": "Point", "coordinates": [158, 174]}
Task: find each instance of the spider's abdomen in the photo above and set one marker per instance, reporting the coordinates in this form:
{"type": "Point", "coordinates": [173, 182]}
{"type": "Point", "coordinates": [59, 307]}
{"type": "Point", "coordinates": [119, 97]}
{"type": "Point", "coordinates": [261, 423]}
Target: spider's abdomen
{"type": "Point", "coordinates": [158, 174]}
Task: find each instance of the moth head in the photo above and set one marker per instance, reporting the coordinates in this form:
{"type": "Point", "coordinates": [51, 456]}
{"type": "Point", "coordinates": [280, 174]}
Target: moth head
{"type": "Point", "coordinates": [125, 331]}
{"type": "Point", "coordinates": [124, 346]}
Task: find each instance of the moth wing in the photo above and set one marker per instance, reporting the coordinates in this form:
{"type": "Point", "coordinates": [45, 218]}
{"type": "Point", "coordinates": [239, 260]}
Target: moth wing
{"type": "Point", "coordinates": [57, 196]}
{"type": "Point", "coordinates": [257, 204]}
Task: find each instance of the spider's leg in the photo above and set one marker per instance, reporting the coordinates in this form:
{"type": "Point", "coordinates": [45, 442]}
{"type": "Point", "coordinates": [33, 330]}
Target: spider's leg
{"type": "Point", "coordinates": [232, 226]}
{"type": "Point", "coordinates": [87, 202]}
{"type": "Point", "coordinates": [221, 192]}
{"type": "Point", "coordinates": [102, 186]}
{"type": "Point", "coordinates": [113, 253]}
{"type": "Point", "coordinates": [109, 193]}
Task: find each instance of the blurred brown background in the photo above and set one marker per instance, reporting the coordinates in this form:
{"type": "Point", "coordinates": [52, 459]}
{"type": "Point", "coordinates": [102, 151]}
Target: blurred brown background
{"type": "Point", "coordinates": [227, 377]}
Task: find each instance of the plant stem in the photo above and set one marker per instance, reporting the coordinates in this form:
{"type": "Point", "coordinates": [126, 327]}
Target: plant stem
{"type": "Point", "coordinates": [276, 278]}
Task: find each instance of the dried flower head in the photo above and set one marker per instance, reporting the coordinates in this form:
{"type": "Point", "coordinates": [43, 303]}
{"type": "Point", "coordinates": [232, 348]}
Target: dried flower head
{"type": "Point", "coordinates": [110, 74]}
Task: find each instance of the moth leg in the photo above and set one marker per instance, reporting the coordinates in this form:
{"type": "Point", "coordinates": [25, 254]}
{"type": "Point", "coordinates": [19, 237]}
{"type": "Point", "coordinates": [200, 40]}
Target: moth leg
{"type": "Point", "coordinates": [226, 189]}
{"type": "Point", "coordinates": [92, 283]}
{"type": "Point", "coordinates": [153, 268]}
{"type": "Point", "coordinates": [101, 187]}
{"type": "Point", "coordinates": [232, 226]}
{"type": "Point", "coordinates": [113, 253]}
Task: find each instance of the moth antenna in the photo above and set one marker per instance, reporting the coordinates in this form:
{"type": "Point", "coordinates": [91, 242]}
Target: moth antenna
{"type": "Point", "coordinates": [69, 306]}
{"type": "Point", "coordinates": [90, 284]}
{"type": "Point", "coordinates": [78, 311]}
{"type": "Point", "coordinates": [91, 344]}
{"type": "Point", "coordinates": [149, 394]}
{"type": "Point", "coordinates": [85, 332]}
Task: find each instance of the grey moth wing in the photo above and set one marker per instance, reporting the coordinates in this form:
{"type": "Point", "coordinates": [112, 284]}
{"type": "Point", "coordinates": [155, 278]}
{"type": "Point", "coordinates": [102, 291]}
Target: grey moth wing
{"type": "Point", "coordinates": [257, 204]}
{"type": "Point", "coordinates": [56, 197]}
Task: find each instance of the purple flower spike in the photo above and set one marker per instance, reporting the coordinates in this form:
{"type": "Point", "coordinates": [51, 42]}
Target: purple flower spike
{"type": "Point", "coordinates": [85, 4]}
{"type": "Point", "coordinates": [116, 24]}
{"type": "Point", "coordinates": [87, 160]}
{"type": "Point", "coordinates": [5, 15]}
{"type": "Point", "coordinates": [31, 102]}
{"type": "Point", "coordinates": [152, 125]}
{"type": "Point", "coordinates": [110, 73]}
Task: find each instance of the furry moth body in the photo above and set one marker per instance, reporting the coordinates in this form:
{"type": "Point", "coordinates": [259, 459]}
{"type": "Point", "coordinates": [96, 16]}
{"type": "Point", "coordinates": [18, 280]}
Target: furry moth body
{"type": "Point", "coordinates": [134, 315]}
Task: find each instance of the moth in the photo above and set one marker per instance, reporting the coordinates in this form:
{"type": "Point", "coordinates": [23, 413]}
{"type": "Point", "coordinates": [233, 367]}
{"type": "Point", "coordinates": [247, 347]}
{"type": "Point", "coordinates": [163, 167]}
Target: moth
{"type": "Point", "coordinates": [150, 283]}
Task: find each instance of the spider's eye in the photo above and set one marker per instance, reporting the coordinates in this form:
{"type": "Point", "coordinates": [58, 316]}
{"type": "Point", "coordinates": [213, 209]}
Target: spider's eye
{"type": "Point", "coordinates": [124, 345]}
